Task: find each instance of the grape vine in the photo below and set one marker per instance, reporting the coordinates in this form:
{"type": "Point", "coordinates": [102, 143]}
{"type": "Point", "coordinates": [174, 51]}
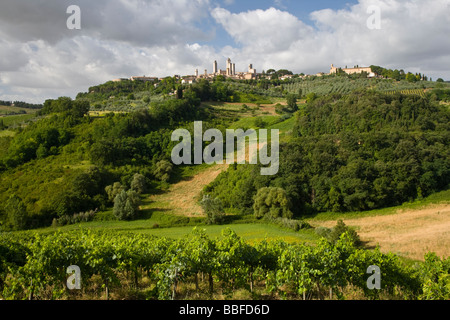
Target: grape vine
{"type": "Point", "coordinates": [33, 266]}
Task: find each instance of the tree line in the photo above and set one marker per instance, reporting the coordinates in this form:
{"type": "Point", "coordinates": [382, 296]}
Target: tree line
{"type": "Point", "coordinates": [21, 104]}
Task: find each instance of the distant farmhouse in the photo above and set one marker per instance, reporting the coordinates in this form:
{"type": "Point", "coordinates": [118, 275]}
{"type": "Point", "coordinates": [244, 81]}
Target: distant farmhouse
{"type": "Point", "coordinates": [144, 78]}
{"type": "Point", "coordinates": [188, 80]}
{"type": "Point", "coordinates": [355, 70]}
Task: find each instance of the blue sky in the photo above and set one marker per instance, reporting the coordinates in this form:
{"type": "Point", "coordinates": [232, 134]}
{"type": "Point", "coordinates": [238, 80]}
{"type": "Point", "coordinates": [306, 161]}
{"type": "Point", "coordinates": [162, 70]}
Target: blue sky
{"type": "Point", "coordinates": [40, 58]}
{"type": "Point", "coordinates": [300, 8]}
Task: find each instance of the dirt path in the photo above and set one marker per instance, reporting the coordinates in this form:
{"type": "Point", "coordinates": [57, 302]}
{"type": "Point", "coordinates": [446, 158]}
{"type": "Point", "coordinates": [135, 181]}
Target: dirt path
{"type": "Point", "coordinates": [181, 199]}
{"type": "Point", "coordinates": [409, 233]}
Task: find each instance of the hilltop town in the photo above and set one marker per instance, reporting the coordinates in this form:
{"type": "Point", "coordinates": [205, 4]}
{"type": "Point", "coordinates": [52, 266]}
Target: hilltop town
{"type": "Point", "coordinates": [249, 74]}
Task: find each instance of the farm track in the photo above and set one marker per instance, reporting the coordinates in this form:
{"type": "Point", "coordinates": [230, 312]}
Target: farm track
{"type": "Point", "coordinates": [182, 197]}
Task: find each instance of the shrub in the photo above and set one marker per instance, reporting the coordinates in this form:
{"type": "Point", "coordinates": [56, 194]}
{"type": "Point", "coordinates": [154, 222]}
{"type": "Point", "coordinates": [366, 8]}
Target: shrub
{"type": "Point", "coordinates": [76, 218]}
{"type": "Point", "coordinates": [138, 183]}
{"type": "Point", "coordinates": [126, 205]}
{"type": "Point", "coordinates": [279, 108]}
{"type": "Point", "coordinates": [293, 224]}
{"type": "Point", "coordinates": [271, 203]}
{"type": "Point", "coordinates": [436, 278]}
{"type": "Point", "coordinates": [323, 232]}
{"type": "Point", "coordinates": [163, 170]}
{"type": "Point", "coordinates": [113, 190]}
{"type": "Point", "coordinates": [16, 213]}
{"type": "Point", "coordinates": [213, 209]}
{"type": "Point", "coordinates": [334, 234]}
{"type": "Point", "coordinates": [260, 123]}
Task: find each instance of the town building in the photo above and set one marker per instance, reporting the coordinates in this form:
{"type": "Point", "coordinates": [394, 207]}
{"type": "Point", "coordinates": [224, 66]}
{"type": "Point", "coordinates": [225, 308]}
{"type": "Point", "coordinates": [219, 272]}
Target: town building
{"type": "Point", "coordinates": [144, 78]}
{"type": "Point", "coordinates": [355, 70]}
{"type": "Point", "coordinates": [229, 72]}
{"type": "Point", "coordinates": [189, 80]}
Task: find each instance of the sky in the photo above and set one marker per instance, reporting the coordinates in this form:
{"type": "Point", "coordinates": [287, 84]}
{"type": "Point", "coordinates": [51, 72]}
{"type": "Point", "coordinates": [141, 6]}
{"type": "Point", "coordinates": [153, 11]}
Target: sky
{"type": "Point", "coordinates": [41, 58]}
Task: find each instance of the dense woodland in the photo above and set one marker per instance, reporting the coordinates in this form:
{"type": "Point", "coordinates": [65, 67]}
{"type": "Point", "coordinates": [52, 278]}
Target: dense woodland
{"type": "Point", "coordinates": [41, 165]}
{"type": "Point", "coordinates": [352, 152]}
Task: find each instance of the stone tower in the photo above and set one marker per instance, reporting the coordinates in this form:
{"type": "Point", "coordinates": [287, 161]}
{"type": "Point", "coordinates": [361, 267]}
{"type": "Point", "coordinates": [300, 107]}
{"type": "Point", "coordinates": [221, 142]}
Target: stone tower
{"type": "Point", "coordinates": [215, 67]}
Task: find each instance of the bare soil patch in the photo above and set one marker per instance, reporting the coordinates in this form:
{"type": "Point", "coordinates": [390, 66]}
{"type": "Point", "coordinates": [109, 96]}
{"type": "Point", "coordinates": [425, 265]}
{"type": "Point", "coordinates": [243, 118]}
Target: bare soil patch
{"type": "Point", "coordinates": [182, 198]}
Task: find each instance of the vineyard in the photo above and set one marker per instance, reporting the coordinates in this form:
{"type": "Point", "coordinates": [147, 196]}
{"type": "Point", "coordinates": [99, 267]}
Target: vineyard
{"type": "Point", "coordinates": [343, 85]}
{"type": "Point", "coordinates": [33, 266]}
{"type": "Point", "coordinates": [419, 92]}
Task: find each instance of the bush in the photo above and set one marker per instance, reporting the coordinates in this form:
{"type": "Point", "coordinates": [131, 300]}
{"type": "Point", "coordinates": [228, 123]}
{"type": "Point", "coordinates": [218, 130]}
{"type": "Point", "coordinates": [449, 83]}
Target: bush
{"type": "Point", "coordinates": [16, 213]}
{"type": "Point", "coordinates": [293, 224]}
{"type": "Point", "coordinates": [323, 232]}
{"type": "Point", "coordinates": [436, 278]}
{"type": "Point", "coordinates": [138, 183]}
{"type": "Point", "coordinates": [279, 108]}
{"type": "Point", "coordinates": [334, 234]}
{"type": "Point", "coordinates": [271, 203]}
{"type": "Point", "coordinates": [126, 205]}
{"type": "Point", "coordinates": [76, 218]}
{"type": "Point", "coordinates": [163, 170]}
{"type": "Point", "coordinates": [113, 190]}
{"type": "Point", "coordinates": [213, 209]}
{"type": "Point", "coordinates": [260, 123]}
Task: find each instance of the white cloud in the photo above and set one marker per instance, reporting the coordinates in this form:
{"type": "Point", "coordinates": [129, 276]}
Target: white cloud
{"type": "Point", "coordinates": [413, 36]}
{"type": "Point", "coordinates": [268, 30]}
{"type": "Point", "coordinates": [140, 22]}
{"type": "Point", "coordinates": [41, 58]}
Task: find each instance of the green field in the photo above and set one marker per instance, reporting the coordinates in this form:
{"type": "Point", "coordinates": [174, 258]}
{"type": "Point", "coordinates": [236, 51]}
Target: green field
{"type": "Point", "coordinates": [161, 224]}
{"type": "Point", "coordinates": [7, 133]}
{"type": "Point", "coordinates": [17, 120]}
{"type": "Point", "coordinates": [252, 232]}
{"type": "Point", "coordinates": [11, 110]}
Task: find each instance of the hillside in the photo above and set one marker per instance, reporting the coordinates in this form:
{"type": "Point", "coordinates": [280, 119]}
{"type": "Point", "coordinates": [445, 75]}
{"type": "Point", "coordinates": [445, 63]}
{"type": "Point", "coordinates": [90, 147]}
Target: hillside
{"type": "Point", "coordinates": [71, 157]}
{"type": "Point", "coordinates": [96, 172]}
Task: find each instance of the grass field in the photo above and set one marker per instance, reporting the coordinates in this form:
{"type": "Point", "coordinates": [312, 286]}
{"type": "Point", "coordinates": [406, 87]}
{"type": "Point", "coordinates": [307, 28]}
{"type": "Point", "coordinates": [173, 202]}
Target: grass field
{"type": "Point", "coordinates": [16, 120]}
{"type": "Point", "coordinates": [252, 232]}
{"type": "Point", "coordinates": [409, 230]}
{"type": "Point", "coordinates": [7, 133]}
{"type": "Point", "coordinates": [6, 110]}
